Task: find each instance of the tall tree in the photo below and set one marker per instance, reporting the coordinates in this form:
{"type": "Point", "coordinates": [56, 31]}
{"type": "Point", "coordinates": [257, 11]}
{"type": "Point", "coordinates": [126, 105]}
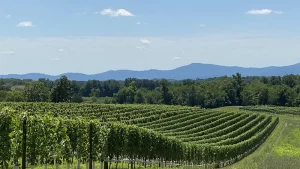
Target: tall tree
{"type": "Point", "coordinates": [139, 97]}
{"type": "Point", "coordinates": [166, 95]}
{"type": "Point", "coordinates": [62, 91]}
{"type": "Point", "coordinates": [289, 80]}
{"type": "Point", "coordinates": [95, 94]}
{"type": "Point", "coordinates": [36, 92]}
{"type": "Point", "coordinates": [192, 100]}
{"type": "Point", "coordinates": [15, 96]}
{"type": "Point", "coordinates": [238, 84]}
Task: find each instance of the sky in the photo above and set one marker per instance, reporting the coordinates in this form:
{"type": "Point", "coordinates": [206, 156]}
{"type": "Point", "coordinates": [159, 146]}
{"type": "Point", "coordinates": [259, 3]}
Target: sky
{"type": "Point", "coordinates": [92, 36]}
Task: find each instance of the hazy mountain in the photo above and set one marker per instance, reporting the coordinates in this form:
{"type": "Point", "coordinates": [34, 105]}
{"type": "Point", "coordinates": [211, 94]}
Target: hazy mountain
{"type": "Point", "coordinates": [191, 71]}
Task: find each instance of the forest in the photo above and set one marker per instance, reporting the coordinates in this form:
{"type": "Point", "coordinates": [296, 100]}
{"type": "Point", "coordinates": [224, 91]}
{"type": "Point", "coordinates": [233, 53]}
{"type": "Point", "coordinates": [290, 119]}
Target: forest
{"type": "Point", "coordinates": [235, 90]}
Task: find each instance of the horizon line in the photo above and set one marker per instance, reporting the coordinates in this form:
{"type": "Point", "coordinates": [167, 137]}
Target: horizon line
{"type": "Point", "coordinates": [144, 69]}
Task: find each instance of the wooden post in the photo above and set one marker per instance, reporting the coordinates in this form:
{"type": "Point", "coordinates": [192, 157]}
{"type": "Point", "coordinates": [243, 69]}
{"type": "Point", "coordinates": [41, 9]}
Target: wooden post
{"type": "Point", "coordinates": [24, 144]}
{"type": "Point", "coordinates": [105, 164]}
{"type": "Point", "coordinates": [91, 146]}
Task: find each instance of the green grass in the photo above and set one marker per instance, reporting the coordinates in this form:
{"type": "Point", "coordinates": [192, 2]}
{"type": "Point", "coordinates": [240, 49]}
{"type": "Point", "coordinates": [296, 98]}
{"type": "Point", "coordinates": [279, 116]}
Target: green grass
{"type": "Point", "coordinates": [280, 151]}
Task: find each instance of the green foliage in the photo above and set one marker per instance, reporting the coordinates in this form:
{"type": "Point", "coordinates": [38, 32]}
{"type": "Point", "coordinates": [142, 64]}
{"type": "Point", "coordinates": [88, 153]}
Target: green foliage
{"type": "Point", "coordinates": [77, 99]}
{"type": "Point", "coordinates": [125, 95]}
{"type": "Point", "coordinates": [166, 133]}
{"type": "Point", "coordinates": [15, 96]}
{"type": "Point", "coordinates": [36, 92]}
{"type": "Point", "coordinates": [207, 93]}
{"type": "Point", "coordinates": [95, 92]}
{"type": "Point", "coordinates": [62, 92]}
{"type": "Point", "coordinates": [255, 94]}
{"type": "Point", "coordinates": [7, 121]}
{"type": "Point", "coordinates": [139, 97]}
{"type": "Point", "coordinates": [3, 95]}
{"type": "Point", "coordinates": [166, 95]}
{"type": "Point", "coordinates": [273, 109]}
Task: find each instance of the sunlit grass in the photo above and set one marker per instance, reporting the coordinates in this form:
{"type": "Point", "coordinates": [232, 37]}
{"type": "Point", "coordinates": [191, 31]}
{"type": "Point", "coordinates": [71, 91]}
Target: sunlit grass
{"type": "Point", "coordinates": [280, 151]}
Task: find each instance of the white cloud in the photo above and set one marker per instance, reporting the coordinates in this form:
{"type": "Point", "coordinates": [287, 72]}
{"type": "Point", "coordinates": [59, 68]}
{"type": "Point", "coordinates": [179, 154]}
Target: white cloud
{"type": "Point", "coordinates": [176, 58]}
{"type": "Point", "coordinates": [119, 12]}
{"type": "Point", "coordinates": [145, 41]}
{"type": "Point", "coordinates": [141, 47]}
{"type": "Point", "coordinates": [25, 24]}
{"type": "Point", "coordinates": [7, 53]}
{"type": "Point", "coordinates": [61, 50]}
{"type": "Point", "coordinates": [263, 12]}
{"type": "Point", "coordinates": [138, 23]}
{"type": "Point", "coordinates": [260, 12]}
{"type": "Point", "coordinates": [202, 25]}
{"type": "Point", "coordinates": [7, 16]}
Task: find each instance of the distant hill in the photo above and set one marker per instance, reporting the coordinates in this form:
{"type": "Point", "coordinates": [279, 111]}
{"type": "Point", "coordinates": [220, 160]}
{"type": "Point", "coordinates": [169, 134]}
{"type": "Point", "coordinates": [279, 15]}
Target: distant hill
{"type": "Point", "coordinates": [191, 71]}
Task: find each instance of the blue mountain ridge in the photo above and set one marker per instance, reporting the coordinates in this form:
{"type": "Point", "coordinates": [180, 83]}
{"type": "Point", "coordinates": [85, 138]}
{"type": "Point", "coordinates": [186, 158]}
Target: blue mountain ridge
{"type": "Point", "coordinates": [191, 71]}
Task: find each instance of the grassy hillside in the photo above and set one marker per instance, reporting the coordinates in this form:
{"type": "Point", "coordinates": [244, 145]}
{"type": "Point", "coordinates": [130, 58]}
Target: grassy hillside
{"type": "Point", "coordinates": [281, 149]}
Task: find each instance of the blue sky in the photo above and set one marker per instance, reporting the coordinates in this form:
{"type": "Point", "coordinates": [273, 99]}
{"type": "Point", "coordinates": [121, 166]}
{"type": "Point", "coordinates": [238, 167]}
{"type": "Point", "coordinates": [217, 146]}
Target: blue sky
{"type": "Point", "coordinates": [61, 36]}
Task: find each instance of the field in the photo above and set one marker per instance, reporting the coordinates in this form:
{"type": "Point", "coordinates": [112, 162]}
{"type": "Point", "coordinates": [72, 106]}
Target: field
{"type": "Point", "coordinates": [166, 135]}
{"type": "Point", "coordinates": [281, 149]}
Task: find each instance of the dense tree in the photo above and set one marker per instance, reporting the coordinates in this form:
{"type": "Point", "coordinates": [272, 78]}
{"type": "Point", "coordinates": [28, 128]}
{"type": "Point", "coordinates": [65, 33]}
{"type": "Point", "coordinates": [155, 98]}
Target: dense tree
{"type": "Point", "coordinates": [208, 93]}
{"type": "Point", "coordinates": [139, 97]}
{"type": "Point", "coordinates": [255, 94]}
{"type": "Point", "coordinates": [125, 95]}
{"type": "Point", "coordinates": [62, 91]}
{"type": "Point", "coordinates": [48, 83]}
{"type": "Point", "coordinates": [3, 95]}
{"type": "Point", "coordinates": [36, 92]}
{"type": "Point", "coordinates": [275, 80]}
{"type": "Point", "coordinates": [77, 98]}
{"type": "Point", "coordinates": [166, 95]}
{"type": "Point", "coordinates": [238, 85]}
{"type": "Point", "coordinates": [75, 87]}
{"type": "Point", "coordinates": [152, 97]}
{"type": "Point", "coordinates": [15, 96]}
{"type": "Point", "coordinates": [95, 94]}
{"type": "Point", "coordinates": [192, 96]}
{"type": "Point", "coordinates": [289, 80]}
{"type": "Point", "coordinates": [264, 80]}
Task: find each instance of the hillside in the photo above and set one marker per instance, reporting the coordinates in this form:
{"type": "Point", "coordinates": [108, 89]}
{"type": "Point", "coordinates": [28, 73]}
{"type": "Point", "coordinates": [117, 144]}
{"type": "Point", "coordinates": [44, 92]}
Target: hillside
{"type": "Point", "coordinates": [281, 149]}
{"type": "Point", "coordinates": [190, 135]}
{"type": "Point", "coordinates": [191, 71]}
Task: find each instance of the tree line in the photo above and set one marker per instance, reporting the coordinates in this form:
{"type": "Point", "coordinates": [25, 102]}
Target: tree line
{"type": "Point", "coordinates": [232, 90]}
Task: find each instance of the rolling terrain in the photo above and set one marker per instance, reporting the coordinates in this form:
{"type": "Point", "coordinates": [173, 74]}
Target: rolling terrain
{"type": "Point", "coordinates": [202, 137]}
{"type": "Point", "coordinates": [281, 149]}
{"type": "Point", "coordinates": [191, 71]}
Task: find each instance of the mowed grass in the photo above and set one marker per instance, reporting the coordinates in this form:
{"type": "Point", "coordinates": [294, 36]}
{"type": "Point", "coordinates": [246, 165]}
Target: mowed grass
{"type": "Point", "coordinates": [280, 151]}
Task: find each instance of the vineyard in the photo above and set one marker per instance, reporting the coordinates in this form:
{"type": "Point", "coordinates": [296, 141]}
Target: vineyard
{"type": "Point", "coordinates": [273, 109]}
{"type": "Point", "coordinates": [48, 134]}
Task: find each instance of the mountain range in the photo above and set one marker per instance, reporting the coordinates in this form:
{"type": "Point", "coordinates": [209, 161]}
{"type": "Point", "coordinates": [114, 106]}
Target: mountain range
{"type": "Point", "coordinates": [191, 71]}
